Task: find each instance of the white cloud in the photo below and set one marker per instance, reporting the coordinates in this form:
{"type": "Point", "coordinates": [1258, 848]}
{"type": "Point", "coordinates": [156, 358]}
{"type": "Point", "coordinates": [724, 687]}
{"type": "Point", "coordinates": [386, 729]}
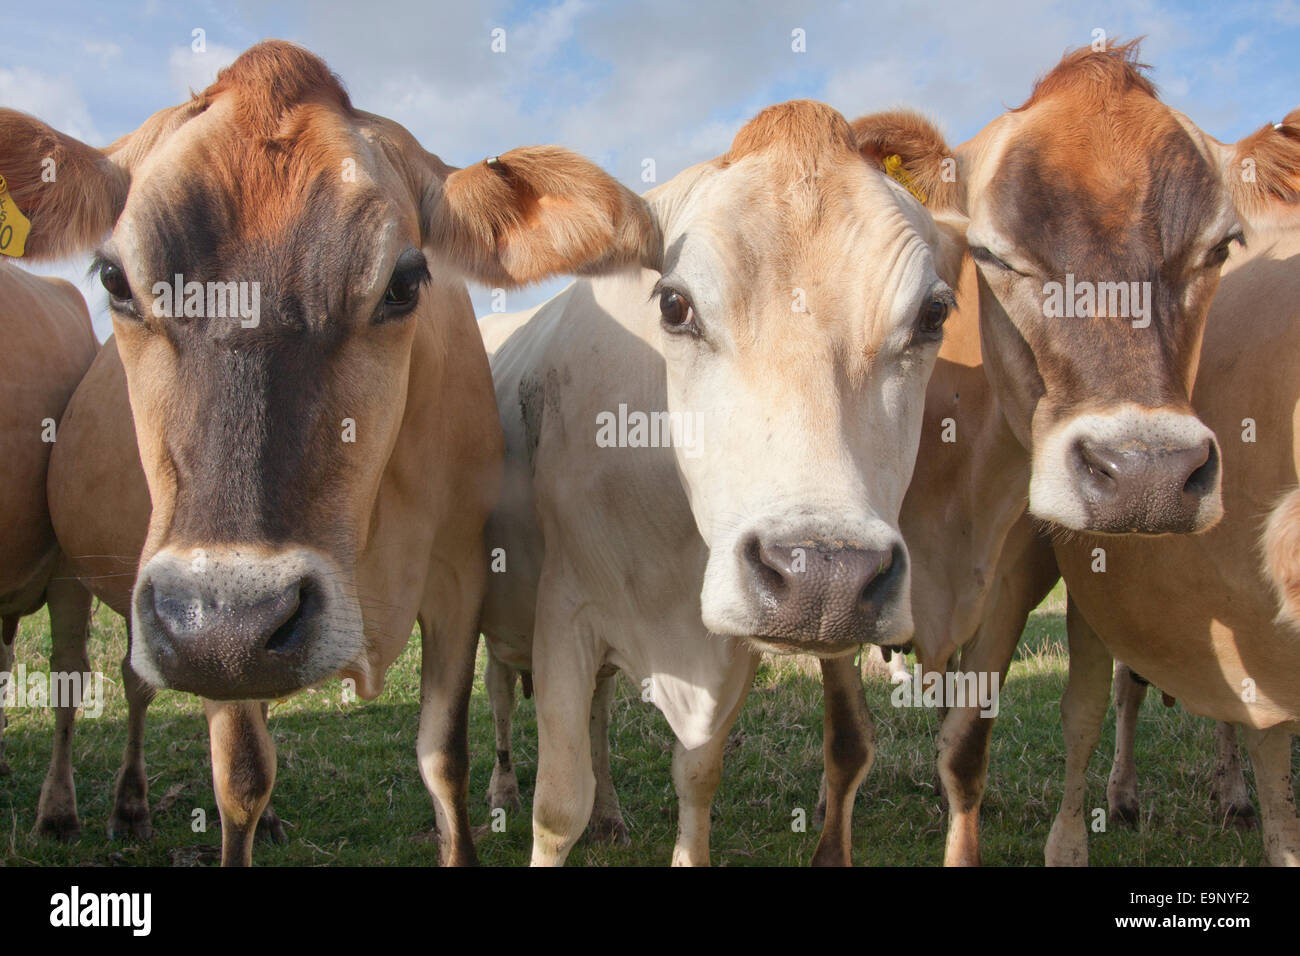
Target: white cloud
{"type": "Point", "coordinates": [189, 72]}
{"type": "Point", "coordinates": [56, 100]}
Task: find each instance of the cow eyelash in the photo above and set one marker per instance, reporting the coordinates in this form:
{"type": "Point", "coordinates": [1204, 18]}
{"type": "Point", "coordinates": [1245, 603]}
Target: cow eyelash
{"type": "Point", "coordinates": [113, 278]}
{"type": "Point", "coordinates": [981, 254]}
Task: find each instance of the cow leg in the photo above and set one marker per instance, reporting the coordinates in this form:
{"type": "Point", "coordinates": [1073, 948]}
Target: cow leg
{"type": "Point", "coordinates": [1083, 708]}
{"type": "Point", "coordinates": [1229, 787]}
{"type": "Point", "coordinates": [130, 815]}
{"type": "Point", "coordinates": [243, 773]}
{"type": "Point", "coordinates": [1270, 752]}
{"type": "Point", "coordinates": [606, 823]}
{"type": "Point", "coordinates": [696, 775]}
{"type": "Point", "coordinates": [848, 748]}
{"type": "Point", "coordinates": [8, 635]}
{"type": "Point", "coordinates": [1121, 788]}
{"type": "Point", "coordinates": [564, 677]}
{"type": "Point", "coordinates": [69, 604]}
{"type": "Point", "coordinates": [446, 681]}
{"type": "Point", "coordinates": [503, 789]}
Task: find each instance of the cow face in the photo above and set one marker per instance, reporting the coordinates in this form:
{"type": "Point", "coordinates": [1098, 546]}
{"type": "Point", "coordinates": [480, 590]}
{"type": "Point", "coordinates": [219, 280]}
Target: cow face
{"type": "Point", "coordinates": [801, 305]}
{"type": "Point", "coordinates": [273, 255]}
{"type": "Point", "coordinates": [1099, 219]}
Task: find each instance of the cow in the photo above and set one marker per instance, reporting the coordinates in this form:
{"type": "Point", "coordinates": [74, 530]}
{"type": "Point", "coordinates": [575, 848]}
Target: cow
{"type": "Point", "coordinates": [1082, 423]}
{"type": "Point", "coordinates": [319, 461]}
{"type": "Point", "coordinates": [706, 461]}
{"type": "Point", "coordinates": [1204, 618]}
{"type": "Point", "coordinates": [49, 344]}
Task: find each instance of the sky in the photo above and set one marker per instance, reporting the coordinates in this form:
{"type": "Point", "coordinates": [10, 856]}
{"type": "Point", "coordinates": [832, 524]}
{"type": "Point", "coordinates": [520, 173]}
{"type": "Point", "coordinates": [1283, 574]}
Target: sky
{"type": "Point", "coordinates": [623, 82]}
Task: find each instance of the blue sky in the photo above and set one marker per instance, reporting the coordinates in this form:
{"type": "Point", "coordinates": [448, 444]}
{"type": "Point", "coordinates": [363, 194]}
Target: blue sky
{"type": "Point", "coordinates": [670, 80]}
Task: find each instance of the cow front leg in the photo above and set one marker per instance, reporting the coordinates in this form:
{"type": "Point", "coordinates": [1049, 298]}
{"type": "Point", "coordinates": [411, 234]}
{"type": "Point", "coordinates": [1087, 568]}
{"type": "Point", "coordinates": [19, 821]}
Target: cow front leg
{"type": "Point", "coordinates": [130, 815]}
{"type": "Point", "coordinates": [243, 773]}
{"type": "Point", "coordinates": [1270, 752]}
{"type": "Point", "coordinates": [564, 677]}
{"type": "Point", "coordinates": [848, 748]}
{"type": "Point", "coordinates": [1121, 788]}
{"type": "Point", "coordinates": [696, 774]}
{"type": "Point", "coordinates": [503, 788]}
{"type": "Point", "coordinates": [1083, 708]}
{"type": "Point", "coordinates": [1229, 790]}
{"type": "Point", "coordinates": [607, 824]}
{"type": "Point", "coordinates": [446, 681]}
{"type": "Point", "coordinates": [8, 636]}
{"type": "Point", "coordinates": [69, 604]}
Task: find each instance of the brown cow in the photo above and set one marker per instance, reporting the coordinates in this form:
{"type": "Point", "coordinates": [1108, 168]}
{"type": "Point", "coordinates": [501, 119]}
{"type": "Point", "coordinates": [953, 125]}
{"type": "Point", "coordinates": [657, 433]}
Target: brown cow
{"type": "Point", "coordinates": [1198, 616]}
{"type": "Point", "coordinates": [320, 465]}
{"type": "Point", "coordinates": [48, 347]}
{"type": "Point", "coordinates": [1083, 422]}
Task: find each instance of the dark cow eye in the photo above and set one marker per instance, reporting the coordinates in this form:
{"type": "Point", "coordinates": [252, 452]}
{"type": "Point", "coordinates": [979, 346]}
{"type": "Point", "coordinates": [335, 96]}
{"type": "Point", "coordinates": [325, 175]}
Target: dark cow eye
{"type": "Point", "coordinates": [980, 254]}
{"type": "Point", "coordinates": [677, 313]}
{"type": "Point", "coordinates": [1219, 254]}
{"type": "Point", "coordinates": [113, 279]}
{"type": "Point", "coordinates": [929, 323]}
{"type": "Point", "coordinates": [403, 292]}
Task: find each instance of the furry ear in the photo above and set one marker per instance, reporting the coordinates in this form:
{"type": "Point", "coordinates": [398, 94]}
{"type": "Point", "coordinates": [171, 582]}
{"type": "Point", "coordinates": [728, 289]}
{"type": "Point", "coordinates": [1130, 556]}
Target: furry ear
{"type": "Point", "coordinates": [1264, 176]}
{"type": "Point", "coordinates": [539, 211]}
{"type": "Point", "coordinates": [921, 150]}
{"type": "Point", "coordinates": [71, 192]}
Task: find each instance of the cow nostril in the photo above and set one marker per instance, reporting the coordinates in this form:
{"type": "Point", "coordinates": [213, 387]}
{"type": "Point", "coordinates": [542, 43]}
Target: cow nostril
{"type": "Point", "coordinates": [290, 633]}
{"type": "Point", "coordinates": [881, 577]}
{"type": "Point", "coordinates": [766, 565]}
{"type": "Point", "coordinates": [1095, 464]}
{"type": "Point", "coordinates": [1204, 477]}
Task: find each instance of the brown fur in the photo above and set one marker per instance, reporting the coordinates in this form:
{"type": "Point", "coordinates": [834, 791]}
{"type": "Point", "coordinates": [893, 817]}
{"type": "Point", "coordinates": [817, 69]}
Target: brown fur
{"type": "Point", "coordinates": [1276, 152]}
{"type": "Point", "coordinates": [918, 143]}
{"type": "Point", "coordinates": [1097, 78]}
{"type": "Point", "coordinates": [1281, 544]}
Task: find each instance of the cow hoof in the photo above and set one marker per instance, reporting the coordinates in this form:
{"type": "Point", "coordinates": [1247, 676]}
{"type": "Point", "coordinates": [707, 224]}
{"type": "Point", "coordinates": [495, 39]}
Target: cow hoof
{"type": "Point", "coordinates": [130, 823]}
{"type": "Point", "coordinates": [609, 830]}
{"type": "Point", "coordinates": [64, 827]}
{"type": "Point", "coordinates": [270, 829]}
{"type": "Point", "coordinates": [504, 796]}
{"type": "Point", "coordinates": [1241, 816]}
{"type": "Point", "coordinates": [1125, 812]}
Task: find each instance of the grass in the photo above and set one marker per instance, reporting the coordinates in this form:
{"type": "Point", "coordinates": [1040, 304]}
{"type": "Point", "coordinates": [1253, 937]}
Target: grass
{"type": "Point", "coordinates": [350, 793]}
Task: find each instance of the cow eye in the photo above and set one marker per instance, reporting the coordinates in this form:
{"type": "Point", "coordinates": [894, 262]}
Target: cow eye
{"type": "Point", "coordinates": [113, 279]}
{"type": "Point", "coordinates": [981, 254]}
{"type": "Point", "coordinates": [677, 313]}
{"type": "Point", "coordinates": [1219, 254]}
{"type": "Point", "coordinates": [929, 323]}
{"type": "Point", "coordinates": [403, 291]}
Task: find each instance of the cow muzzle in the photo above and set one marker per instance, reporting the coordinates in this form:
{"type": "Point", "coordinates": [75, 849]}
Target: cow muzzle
{"type": "Point", "coordinates": [241, 623]}
{"type": "Point", "coordinates": [817, 595]}
{"type": "Point", "coordinates": [1135, 471]}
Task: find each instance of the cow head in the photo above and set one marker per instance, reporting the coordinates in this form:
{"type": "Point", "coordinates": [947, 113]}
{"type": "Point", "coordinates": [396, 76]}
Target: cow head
{"type": "Point", "coordinates": [271, 253]}
{"type": "Point", "coordinates": [1099, 219]}
{"type": "Point", "coordinates": [800, 309]}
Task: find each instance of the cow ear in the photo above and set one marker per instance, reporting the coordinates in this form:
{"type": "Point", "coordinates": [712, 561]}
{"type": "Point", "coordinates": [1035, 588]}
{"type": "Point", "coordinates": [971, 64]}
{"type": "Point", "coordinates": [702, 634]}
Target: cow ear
{"type": "Point", "coordinates": [536, 212]}
{"type": "Point", "coordinates": [70, 192]}
{"type": "Point", "coordinates": [1264, 176]}
{"type": "Point", "coordinates": [909, 148]}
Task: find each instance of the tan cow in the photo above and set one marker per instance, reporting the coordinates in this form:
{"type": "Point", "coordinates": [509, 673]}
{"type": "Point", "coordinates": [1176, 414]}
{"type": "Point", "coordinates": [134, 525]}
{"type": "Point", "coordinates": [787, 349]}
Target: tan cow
{"type": "Point", "coordinates": [1035, 413]}
{"type": "Point", "coordinates": [48, 347]}
{"type": "Point", "coordinates": [708, 462]}
{"type": "Point", "coordinates": [320, 462]}
{"type": "Point", "coordinates": [1199, 617]}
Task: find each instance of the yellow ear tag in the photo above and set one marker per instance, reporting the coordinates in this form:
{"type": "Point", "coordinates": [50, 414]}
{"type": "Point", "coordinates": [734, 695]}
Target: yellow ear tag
{"type": "Point", "coordinates": [894, 168]}
{"type": "Point", "coordinates": [14, 226]}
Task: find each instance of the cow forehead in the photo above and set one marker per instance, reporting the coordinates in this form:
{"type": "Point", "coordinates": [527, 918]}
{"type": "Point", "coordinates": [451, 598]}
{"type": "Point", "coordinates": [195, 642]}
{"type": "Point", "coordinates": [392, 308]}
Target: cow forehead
{"type": "Point", "coordinates": [309, 213]}
{"type": "Point", "coordinates": [1120, 189]}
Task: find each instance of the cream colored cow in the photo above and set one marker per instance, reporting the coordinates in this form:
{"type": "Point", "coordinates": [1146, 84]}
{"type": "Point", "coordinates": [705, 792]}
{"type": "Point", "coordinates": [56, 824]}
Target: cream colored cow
{"type": "Point", "coordinates": [707, 462]}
